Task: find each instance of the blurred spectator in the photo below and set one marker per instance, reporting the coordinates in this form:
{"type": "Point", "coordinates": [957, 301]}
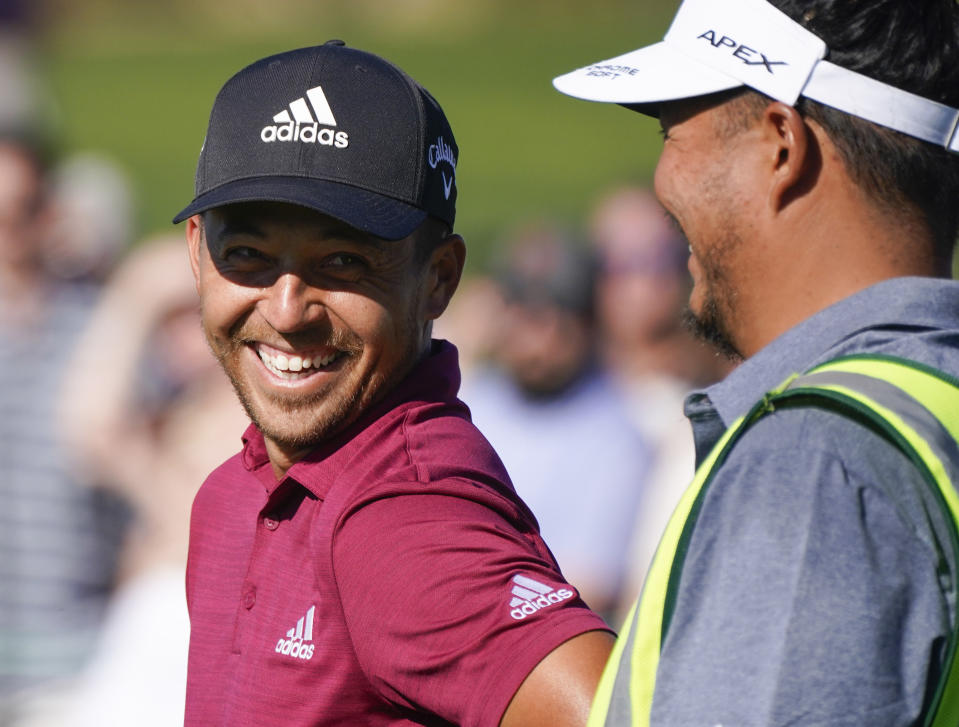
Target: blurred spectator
{"type": "Point", "coordinates": [152, 430]}
{"type": "Point", "coordinates": [554, 417]}
{"type": "Point", "coordinates": [642, 291]}
{"type": "Point", "coordinates": [91, 217]}
{"type": "Point", "coordinates": [58, 539]}
{"type": "Point", "coordinates": [19, 16]}
{"type": "Point", "coordinates": [26, 102]}
{"type": "Point", "coordinates": [26, 99]}
{"type": "Point", "coordinates": [472, 322]}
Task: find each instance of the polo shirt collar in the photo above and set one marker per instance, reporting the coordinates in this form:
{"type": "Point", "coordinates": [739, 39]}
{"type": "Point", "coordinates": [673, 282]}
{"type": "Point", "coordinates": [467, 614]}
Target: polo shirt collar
{"type": "Point", "coordinates": [435, 379]}
{"type": "Point", "coordinates": [912, 302]}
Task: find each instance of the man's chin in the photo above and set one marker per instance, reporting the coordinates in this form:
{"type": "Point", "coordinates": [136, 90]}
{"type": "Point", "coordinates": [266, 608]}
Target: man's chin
{"type": "Point", "coordinates": [297, 438]}
{"type": "Point", "coordinates": [707, 327]}
{"type": "Point", "coordinates": [298, 423]}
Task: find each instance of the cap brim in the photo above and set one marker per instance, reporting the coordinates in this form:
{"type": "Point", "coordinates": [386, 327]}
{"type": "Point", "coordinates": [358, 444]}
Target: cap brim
{"type": "Point", "coordinates": [644, 78]}
{"type": "Point", "coordinates": [370, 212]}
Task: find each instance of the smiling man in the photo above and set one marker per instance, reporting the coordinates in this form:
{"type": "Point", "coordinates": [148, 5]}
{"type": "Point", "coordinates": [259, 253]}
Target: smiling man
{"type": "Point", "coordinates": [808, 576]}
{"type": "Point", "coordinates": [364, 559]}
{"type": "Point", "coordinates": [256, 265]}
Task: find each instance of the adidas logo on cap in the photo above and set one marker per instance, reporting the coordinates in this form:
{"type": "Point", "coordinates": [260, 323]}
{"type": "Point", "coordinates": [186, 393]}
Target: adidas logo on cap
{"type": "Point", "coordinates": [299, 124]}
{"type": "Point", "coordinates": [295, 644]}
{"type": "Point", "coordinates": [530, 596]}
{"type": "Point", "coordinates": [335, 129]}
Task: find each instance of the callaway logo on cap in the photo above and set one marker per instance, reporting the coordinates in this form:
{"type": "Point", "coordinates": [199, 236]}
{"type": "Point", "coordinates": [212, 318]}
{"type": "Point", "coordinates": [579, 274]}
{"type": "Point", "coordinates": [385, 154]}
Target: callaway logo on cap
{"type": "Point", "coordinates": [714, 46]}
{"type": "Point", "coordinates": [335, 129]}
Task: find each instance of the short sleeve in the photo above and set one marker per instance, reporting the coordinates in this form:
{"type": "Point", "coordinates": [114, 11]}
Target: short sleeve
{"type": "Point", "coordinates": [809, 594]}
{"type": "Point", "coordinates": [449, 603]}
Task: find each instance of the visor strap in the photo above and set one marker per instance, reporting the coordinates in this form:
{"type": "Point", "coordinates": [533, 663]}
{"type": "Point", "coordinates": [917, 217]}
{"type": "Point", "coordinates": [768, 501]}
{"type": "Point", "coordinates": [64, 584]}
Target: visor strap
{"type": "Point", "coordinates": [883, 104]}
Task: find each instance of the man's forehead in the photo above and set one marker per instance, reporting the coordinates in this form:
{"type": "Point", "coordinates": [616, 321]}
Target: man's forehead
{"type": "Point", "coordinates": [259, 218]}
{"type": "Point", "coordinates": [679, 110]}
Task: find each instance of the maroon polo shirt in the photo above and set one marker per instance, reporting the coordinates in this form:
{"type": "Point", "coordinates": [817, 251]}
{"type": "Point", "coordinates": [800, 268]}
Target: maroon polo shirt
{"type": "Point", "coordinates": [392, 577]}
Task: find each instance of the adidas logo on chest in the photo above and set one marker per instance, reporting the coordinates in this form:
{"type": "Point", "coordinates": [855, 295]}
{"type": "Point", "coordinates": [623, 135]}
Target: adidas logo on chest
{"type": "Point", "coordinates": [299, 640]}
{"type": "Point", "coordinates": [300, 123]}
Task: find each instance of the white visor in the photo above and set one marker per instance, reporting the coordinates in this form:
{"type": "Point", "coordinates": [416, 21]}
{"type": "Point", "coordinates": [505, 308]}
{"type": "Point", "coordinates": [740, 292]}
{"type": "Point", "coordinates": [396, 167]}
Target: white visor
{"type": "Point", "coordinates": [715, 46]}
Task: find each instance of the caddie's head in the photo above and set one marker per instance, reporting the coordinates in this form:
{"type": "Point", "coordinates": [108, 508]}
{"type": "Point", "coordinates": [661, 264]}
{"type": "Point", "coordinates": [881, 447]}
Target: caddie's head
{"type": "Point", "coordinates": [770, 106]}
{"type": "Point", "coordinates": [321, 236]}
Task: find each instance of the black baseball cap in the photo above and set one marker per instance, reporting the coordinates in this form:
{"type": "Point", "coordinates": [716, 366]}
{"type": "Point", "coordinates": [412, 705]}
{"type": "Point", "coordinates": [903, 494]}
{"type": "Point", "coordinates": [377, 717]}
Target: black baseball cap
{"type": "Point", "coordinates": [335, 129]}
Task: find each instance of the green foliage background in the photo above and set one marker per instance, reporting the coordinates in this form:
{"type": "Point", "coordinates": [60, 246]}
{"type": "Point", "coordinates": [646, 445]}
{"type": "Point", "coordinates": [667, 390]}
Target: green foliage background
{"type": "Point", "coordinates": [136, 80]}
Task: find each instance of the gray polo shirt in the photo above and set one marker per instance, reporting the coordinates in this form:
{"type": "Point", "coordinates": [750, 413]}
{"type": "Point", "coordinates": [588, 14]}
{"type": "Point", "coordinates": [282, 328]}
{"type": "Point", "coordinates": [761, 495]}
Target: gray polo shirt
{"type": "Point", "coordinates": [816, 586]}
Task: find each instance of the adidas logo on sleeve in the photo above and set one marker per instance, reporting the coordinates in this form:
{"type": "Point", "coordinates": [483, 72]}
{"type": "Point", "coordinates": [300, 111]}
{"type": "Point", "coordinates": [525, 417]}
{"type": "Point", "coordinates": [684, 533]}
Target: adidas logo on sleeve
{"type": "Point", "coordinates": [296, 642]}
{"type": "Point", "coordinates": [530, 596]}
{"type": "Point", "coordinates": [298, 123]}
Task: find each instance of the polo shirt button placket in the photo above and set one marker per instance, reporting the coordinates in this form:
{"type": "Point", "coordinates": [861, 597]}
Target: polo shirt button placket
{"type": "Point", "coordinates": [270, 524]}
{"type": "Point", "coordinates": [249, 597]}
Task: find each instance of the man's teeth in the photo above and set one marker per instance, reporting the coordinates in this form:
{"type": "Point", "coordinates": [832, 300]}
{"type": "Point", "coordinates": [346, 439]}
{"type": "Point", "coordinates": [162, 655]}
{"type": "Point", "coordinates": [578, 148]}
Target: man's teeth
{"type": "Point", "coordinates": [293, 364]}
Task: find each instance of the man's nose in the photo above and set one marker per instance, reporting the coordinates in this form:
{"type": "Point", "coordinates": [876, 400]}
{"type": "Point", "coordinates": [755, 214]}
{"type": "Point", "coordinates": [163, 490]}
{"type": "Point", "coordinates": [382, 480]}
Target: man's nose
{"type": "Point", "coordinates": [291, 304]}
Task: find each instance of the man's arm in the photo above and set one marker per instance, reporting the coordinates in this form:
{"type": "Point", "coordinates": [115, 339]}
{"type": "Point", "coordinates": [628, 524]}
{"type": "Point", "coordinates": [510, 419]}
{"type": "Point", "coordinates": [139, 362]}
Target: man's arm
{"type": "Point", "coordinates": [558, 692]}
{"type": "Point", "coordinates": [446, 565]}
{"type": "Point", "coordinates": [810, 592]}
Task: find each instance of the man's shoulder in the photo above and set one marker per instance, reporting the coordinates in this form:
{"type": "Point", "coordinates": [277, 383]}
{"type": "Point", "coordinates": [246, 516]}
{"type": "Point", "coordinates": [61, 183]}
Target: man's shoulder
{"type": "Point", "coordinates": [812, 424]}
{"type": "Point", "coordinates": [228, 485]}
{"type": "Point", "coordinates": [417, 447]}
{"type": "Point", "coordinates": [426, 442]}
{"type": "Point", "coordinates": [927, 346]}
{"type": "Point", "coordinates": [818, 458]}
{"type": "Point", "coordinates": [798, 431]}
{"type": "Point", "coordinates": [850, 432]}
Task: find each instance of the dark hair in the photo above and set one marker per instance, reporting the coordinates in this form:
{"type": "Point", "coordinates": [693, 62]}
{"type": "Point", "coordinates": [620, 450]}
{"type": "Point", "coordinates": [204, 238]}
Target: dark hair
{"type": "Point", "coordinates": [32, 146]}
{"type": "Point", "coordinates": [37, 155]}
{"type": "Point", "coordinates": [914, 46]}
{"type": "Point", "coordinates": [428, 237]}
{"type": "Point", "coordinates": [545, 264]}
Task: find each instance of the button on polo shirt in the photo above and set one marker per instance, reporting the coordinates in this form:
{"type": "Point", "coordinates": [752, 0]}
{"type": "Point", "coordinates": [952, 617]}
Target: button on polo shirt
{"type": "Point", "coordinates": [393, 569]}
{"type": "Point", "coordinates": [249, 597]}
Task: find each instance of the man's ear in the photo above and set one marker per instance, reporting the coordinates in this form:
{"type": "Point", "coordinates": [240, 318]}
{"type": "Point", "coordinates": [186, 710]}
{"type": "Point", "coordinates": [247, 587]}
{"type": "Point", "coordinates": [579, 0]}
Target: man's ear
{"type": "Point", "coordinates": [793, 157]}
{"type": "Point", "coordinates": [195, 241]}
{"type": "Point", "coordinates": [445, 270]}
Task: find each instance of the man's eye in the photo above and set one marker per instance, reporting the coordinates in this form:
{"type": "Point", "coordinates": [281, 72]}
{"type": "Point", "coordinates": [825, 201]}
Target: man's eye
{"type": "Point", "coordinates": [344, 259]}
{"type": "Point", "coordinates": [243, 254]}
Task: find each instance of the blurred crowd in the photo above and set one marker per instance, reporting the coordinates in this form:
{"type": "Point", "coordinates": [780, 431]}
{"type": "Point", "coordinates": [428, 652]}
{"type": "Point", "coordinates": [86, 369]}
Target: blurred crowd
{"type": "Point", "coordinates": [576, 362]}
{"type": "Point", "coordinates": [113, 411]}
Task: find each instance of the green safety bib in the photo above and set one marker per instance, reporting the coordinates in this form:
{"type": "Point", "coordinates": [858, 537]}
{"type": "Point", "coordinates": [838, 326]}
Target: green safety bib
{"type": "Point", "coordinates": [915, 406]}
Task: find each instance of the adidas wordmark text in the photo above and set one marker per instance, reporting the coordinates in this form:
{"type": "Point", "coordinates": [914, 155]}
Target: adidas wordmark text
{"type": "Point", "coordinates": [295, 644]}
{"type": "Point", "coordinates": [530, 596]}
{"type": "Point", "coordinates": [299, 124]}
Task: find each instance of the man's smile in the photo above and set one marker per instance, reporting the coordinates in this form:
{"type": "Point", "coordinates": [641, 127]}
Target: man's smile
{"type": "Point", "coordinates": [296, 366]}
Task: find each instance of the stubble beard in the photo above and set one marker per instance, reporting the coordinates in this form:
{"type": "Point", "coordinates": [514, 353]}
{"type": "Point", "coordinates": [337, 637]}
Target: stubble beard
{"type": "Point", "coordinates": [298, 421]}
{"type": "Point", "coordinates": [713, 323]}
{"type": "Point", "coordinates": [708, 327]}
